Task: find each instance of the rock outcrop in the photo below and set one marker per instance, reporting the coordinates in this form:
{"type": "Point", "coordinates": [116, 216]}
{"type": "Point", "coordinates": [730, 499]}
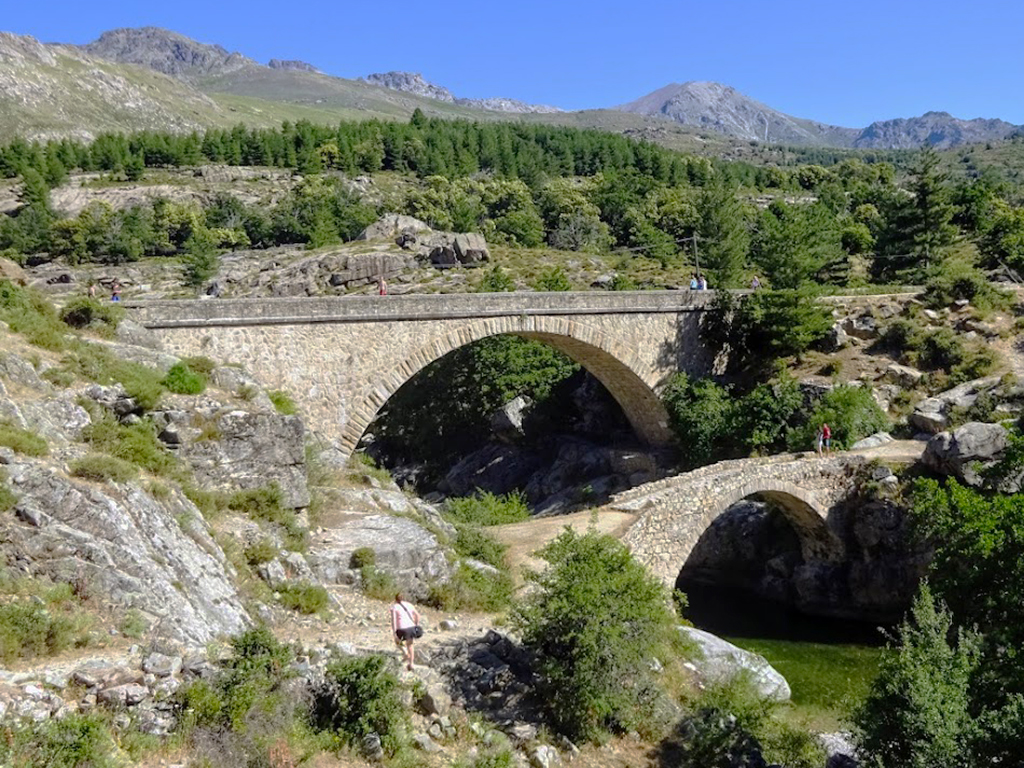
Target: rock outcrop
{"type": "Point", "coordinates": [932, 414]}
{"type": "Point", "coordinates": [721, 661]}
{"type": "Point", "coordinates": [968, 451]}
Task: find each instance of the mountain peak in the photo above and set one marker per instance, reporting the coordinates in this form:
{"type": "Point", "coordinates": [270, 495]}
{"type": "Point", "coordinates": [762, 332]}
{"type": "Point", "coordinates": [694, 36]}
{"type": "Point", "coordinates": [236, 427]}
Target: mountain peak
{"type": "Point", "coordinates": [165, 51]}
{"type": "Point", "coordinates": [411, 82]}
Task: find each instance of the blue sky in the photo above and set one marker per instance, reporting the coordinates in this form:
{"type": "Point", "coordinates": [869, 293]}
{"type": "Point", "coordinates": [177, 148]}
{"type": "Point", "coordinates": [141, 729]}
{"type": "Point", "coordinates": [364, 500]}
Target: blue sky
{"type": "Point", "coordinates": [842, 63]}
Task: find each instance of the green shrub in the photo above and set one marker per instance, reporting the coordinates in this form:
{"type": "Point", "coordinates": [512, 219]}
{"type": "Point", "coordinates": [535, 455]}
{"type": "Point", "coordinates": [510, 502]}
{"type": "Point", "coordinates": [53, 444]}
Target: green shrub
{"type": "Point", "coordinates": [728, 723]}
{"type": "Point", "coordinates": [699, 412]}
{"type": "Point", "coordinates": [133, 625]}
{"type": "Point", "coordinates": [22, 441]}
{"type": "Point", "coordinates": [58, 377]}
{"type": "Point", "coordinates": [182, 380]}
{"type": "Point", "coordinates": [93, 362]}
{"type": "Point", "coordinates": [282, 402]}
{"type": "Point", "coordinates": [377, 584]}
{"type": "Point", "coordinates": [201, 365]}
{"type": "Point", "coordinates": [472, 589]}
{"type": "Point", "coordinates": [103, 468]}
{"type": "Point", "coordinates": [28, 312]}
{"type": "Point", "coordinates": [28, 629]}
{"type": "Point", "coordinates": [357, 697]}
{"type": "Point", "coordinates": [262, 551]}
{"type": "Point", "coordinates": [361, 464]}
{"type": "Point", "coordinates": [74, 741]}
{"type": "Point", "coordinates": [135, 443]}
{"type": "Point", "coordinates": [470, 541]}
{"type": "Point", "coordinates": [84, 312]}
{"type": "Point", "coordinates": [852, 414]}
{"type": "Point", "coordinates": [8, 498]}
{"type": "Point", "coordinates": [209, 503]}
{"type": "Point", "coordinates": [553, 279]}
{"type": "Point", "coordinates": [918, 710]}
{"type": "Point", "coordinates": [956, 278]}
{"type": "Point", "coordinates": [304, 597]}
{"type": "Point", "coordinates": [594, 622]}
{"type": "Point", "coordinates": [486, 508]}
{"type": "Point", "coordinates": [363, 557]}
{"type": "Point", "coordinates": [263, 503]}
{"type": "Point", "coordinates": [496, 280]}
{"type": "Point", "coordinates": [502, 758]}
{"type": "Point", "coordinates": [201, 702]}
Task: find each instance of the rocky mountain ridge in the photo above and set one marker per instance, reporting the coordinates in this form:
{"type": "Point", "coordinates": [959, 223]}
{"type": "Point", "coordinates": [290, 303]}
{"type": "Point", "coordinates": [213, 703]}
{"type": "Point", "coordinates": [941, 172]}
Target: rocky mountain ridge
{"type": "Point", "coordinates": [414, 82]}
{"type": "Point", "coordinates": [723, 109]}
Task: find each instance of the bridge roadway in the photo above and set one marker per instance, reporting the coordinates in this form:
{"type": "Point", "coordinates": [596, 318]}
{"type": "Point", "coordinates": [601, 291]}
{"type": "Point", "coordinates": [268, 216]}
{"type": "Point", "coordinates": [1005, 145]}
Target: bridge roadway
{"type": "Point", "coordinates": [341, 358]}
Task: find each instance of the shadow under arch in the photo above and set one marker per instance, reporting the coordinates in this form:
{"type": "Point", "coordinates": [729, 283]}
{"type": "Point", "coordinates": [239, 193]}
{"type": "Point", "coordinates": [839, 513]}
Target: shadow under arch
{"type": "Point", "coordinates": [615, 365]}
{"type": "Point", "coordinates": [799, 507]}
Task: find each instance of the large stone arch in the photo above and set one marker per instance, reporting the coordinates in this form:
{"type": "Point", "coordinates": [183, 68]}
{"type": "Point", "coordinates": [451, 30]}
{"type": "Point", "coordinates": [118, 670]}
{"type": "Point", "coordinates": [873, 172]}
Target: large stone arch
{"type": "Point", "coordinates": [616, 365]}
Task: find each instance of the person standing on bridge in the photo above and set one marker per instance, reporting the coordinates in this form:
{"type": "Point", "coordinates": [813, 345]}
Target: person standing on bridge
{"type": "Point", "coordinates": [382, 286]}
{"type": "Point", "coordinates": [702, 283]}
{"type": "Point", "coordinates": [825, 439]}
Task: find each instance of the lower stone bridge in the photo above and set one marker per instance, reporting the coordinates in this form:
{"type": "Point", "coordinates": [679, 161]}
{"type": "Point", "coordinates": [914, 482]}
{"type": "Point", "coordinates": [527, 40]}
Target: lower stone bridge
{"type": "Point", "coordinates": [672, 514]}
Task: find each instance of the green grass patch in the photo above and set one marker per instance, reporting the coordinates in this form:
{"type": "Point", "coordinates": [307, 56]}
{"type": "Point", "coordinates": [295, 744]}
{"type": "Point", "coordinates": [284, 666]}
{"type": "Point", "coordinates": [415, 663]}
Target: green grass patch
{"type": "Point", "coordinates": [200, 364]}
{"type": "Point", "coordinates": [22, 441]}
{"type": "Point", "coordinates": [282, 402]}
{"type": "Point", "coordinates": [361, 465]}
{"type": "Point", "coordinates": [96, 363]}
{"type": "Point", "coordinates": [828, 681]}
{"type": "Point", "coordinates": [488, 509]}
{"type": "Point", "coordinates": [71, 742]}
{"type": "Point", "coordinates": [259, 552]}
{"type": "Point", "coordinates": [267, 504]}
{"type": "Point", "coordinates": [377, 584]}
{"type": "Point", "coordinates": [135, 443]}
{"type": "Point", "coordinates": [28, 312]}
{"type": "Point", "coordinates": [102, 468]}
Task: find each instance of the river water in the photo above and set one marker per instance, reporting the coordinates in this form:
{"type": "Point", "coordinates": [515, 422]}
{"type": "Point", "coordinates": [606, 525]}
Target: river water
{"type": "Point", "coordinates": [829, 663]}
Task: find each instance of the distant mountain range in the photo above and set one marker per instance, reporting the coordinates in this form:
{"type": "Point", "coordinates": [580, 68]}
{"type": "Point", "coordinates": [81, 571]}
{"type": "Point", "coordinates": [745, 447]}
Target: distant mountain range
{"type": "Point", "coordinates": [153, 78]}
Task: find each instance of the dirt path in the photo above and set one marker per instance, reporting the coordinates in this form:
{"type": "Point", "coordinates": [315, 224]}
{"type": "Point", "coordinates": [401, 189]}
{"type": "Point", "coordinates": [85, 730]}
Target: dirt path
{"type": "Point", "coordinates": [523, 539]}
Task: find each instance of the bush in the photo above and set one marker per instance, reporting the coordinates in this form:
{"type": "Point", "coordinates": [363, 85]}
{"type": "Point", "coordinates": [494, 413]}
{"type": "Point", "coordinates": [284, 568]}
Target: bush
{"type": "Point", "coordinates": [29, 313]}
{"type": "Point", "coordinates": [730, 722]}
{"type": "Point", "coordinates": [102, 469]}
{"type": "Point", "coordinates": [595, 621]}
{"type": "Point", "coordinates": [363, 557]}
{"type": "Point", "coordinates": [699, 412]}
{"type": "Point", "coordinates": [304, 597]}
{"type": "Point", "coordinates": [852, 414]}
{"type": "Point", "coordinates": [85, 312]}
{"type": "Point", "coordinates": [377, 584]}
{"type": "Point", "coordinates": [357, 697]}
{"type": "Point", "coordinates": [917, 713]}
{"type": "Point", "coordinates": [553, 279]}
{"type": "Point", "coordinates": [182, 380]}
{"type": "Point", "coordinates": [283, 402]}
{"type": "Point", "coordinates": [201, 365]}
{"type": "Point", "coordinates": [28, 628]}
{"type": "Point", "coordinates": [470, 541]}
{"type": "Point", "coordinates": [472, 589]}
{"type": "Point", "coordinates": [259, 552]}
{"type": "Point", "coordinates": [133, 624]}
{"type": "Point", "coordinates": [956, 279]}
{"type": "Point", "coordinates": [74, 741]}
{"type": "Point", "coordinates": [8, 498]}
{"type": "Point", "coordinates": [488, 509]}
{"type": "Point", "coordinates": [22, 441]}
{"type": "Point", "coordinates": [96, 363]}
{"type": "Point", "coordinates": [135, 443]}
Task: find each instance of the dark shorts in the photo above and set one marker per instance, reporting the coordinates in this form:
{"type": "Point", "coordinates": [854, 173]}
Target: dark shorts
{"type": "Point", "coordinates": [405, 635]}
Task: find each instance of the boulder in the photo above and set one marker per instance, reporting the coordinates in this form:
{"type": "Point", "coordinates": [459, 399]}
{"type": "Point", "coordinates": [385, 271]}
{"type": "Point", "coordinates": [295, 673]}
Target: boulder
{"type": "Point", "coordinates": [835, 339]}
{"type": "Point", "coordinates": [403, 548]}
{"type": "Point", "coordinates": [136, 335]}
{"type": "Point", "coordinates": [862, 327]}
{"type": "Point", "coordinates": [931, 414]}
{"type": "Point", "coordinates": [722, 661]}
{"type": "Point", "coordinates": [507, 422]}
{"type": "Point", "coordinates": [161, 665]}
{"type": "Point", "coordinates": [9, 270]}
{"type": "Point", "coordinates": [391, 225]}
{"type": "Point", "coordinates": [471, 248]}
{"type": "Point", "coordinates": [500, 468]}
{"type": "Point", "coordinates": [252, 450]}
{"type": "Point", "coordinates": [872, 441]}
{"type": "Point", "coordinates": [968, 451]}
{"type": "Point", "coordinates": [903, 375]}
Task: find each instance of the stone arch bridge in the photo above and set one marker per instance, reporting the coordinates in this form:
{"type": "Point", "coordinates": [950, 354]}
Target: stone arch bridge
{"type": "Point", "coordinates": [341, 358]}
{"type": "Point", "coordinates": [672, 514]}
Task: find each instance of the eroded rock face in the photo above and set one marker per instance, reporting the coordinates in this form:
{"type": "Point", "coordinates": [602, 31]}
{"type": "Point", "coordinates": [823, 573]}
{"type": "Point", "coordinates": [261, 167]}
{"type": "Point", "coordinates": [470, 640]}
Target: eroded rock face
{"type": "Point", "coordinates": [121, 543]}
{"type": "Point", "coordinates": [932, 414]}
{"type": "Point", "coordinates": [251, 450]}
{"type": "Point", "coordinates": [403, 548]}
{"type": "Point", "coordinates": [722, 661]}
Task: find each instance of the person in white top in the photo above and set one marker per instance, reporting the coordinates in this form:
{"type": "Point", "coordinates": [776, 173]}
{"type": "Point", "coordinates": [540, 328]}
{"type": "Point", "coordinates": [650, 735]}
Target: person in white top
{"type": "Point", "coordinates": [405, 620]}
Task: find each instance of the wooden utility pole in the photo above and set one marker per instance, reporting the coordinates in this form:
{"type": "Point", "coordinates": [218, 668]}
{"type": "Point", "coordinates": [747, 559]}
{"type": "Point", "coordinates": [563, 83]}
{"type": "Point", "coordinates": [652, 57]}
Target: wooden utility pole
{"type": "Point", "coordinates": [696, 258]}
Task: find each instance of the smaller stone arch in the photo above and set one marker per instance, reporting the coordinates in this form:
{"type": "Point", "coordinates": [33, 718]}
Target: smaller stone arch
{"type": "Point", "coordinates": [615, 365]}
{"type": "Point", "coordinates": [801, 508]}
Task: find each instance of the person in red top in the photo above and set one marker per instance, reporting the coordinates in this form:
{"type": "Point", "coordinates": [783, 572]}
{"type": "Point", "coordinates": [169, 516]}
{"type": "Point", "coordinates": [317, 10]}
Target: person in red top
{"type": "Point", "coordinates": [826, 438]}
